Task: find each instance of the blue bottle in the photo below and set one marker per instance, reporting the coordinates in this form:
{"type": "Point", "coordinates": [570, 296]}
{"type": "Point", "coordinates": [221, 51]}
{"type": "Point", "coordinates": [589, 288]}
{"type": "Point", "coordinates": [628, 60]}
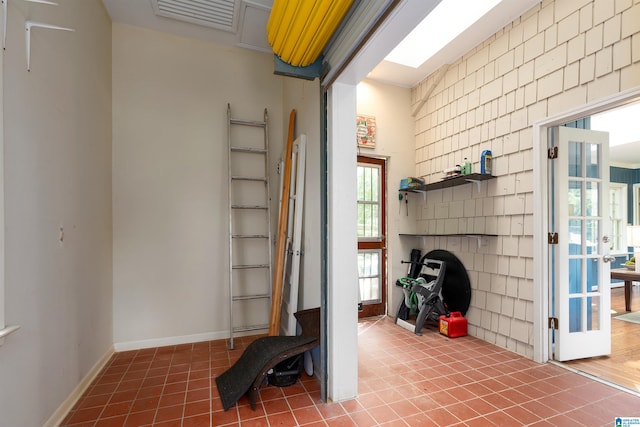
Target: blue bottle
{"type": "Point", "coordinates": [485, 162]}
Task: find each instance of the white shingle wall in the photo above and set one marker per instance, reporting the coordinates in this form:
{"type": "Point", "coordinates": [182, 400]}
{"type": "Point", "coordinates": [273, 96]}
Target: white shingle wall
{"type": "Point", "coordinates": [557, 56]}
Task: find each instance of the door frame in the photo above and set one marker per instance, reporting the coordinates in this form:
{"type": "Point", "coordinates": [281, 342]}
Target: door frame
{"type": "Point", "coordinates": [541, 269]}
{"type": "Point", "coordinates": [369, 310]}
{"type": "Point", "coordinates": [636, 205]}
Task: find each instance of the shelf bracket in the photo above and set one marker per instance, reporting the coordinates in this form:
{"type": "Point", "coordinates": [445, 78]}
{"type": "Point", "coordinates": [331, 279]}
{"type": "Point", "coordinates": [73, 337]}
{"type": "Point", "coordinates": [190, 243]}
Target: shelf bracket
{"type": "Point", "coordinates": [4, 16]}
{"type": "Point", "coordinates": [478, 238]}
{"type": "Point", "coordinates": [7, 331]}
{"type": "Point", "coordinates": [424, 194]}
{"type": "Point", "coordinates": [477, 182]}
{"type": "Point", "coordinates": [4, 23]}
{"type": "Point", "coordinates": [28, 25]}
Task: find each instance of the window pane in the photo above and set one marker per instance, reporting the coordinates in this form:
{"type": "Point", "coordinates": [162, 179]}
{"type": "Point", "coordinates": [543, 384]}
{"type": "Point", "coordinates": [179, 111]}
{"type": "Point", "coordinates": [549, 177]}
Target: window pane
{"type": "Point", "coordinates": [575, 198]}
{"type": "Point", "coordinates": [593, 316]}
{"type": "Point", "coordinates": [369, 205]}
{"type": "Point", "coordinates": [575, 276]}
{"type": "Point", "coordinates": [592, 160]}
{"type": "Point", "coordinates": [618, 217]}
{"type": "Point", "coordinates": [592, 275]}
{"type": "Point", "coordinates": [575, 158]}
{"type": "Point", "coordinates": [575, 314]}
{"type": "Point", "coordinates": [575, 237]}
{"type": "Point", "coordinates": [591, 198]}
{"type": "Point", "coordinates": [592, 236]}
{"type": "Point", "coordinates": [369, 275]}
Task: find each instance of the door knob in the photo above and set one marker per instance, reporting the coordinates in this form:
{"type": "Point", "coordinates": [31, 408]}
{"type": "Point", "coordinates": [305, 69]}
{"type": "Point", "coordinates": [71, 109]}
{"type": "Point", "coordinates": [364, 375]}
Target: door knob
{"type": "Point", "coordinates": [608, 258]}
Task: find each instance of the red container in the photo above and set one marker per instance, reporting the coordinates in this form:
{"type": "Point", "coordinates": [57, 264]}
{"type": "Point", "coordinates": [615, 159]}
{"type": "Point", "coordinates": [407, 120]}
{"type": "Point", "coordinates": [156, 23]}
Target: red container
{"type": "Point", "coordinates": [453, 326]}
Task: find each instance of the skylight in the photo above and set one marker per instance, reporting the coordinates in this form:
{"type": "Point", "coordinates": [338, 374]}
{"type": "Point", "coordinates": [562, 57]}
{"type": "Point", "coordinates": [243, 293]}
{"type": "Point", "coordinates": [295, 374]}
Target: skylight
{"type": "Point", "coordinates": [619, 123]}
{"type": "Point", "coordinates": [447, 21]}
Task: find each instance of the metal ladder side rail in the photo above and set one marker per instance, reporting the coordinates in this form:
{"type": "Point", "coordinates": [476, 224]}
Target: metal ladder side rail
{"type": "Point", "coordinates": [249, 178]}
{"type": "Point", "coordinates": [248, 150]}
{"type": "Point", "coordinates": [263, 207]}
{"type": "Point", "coordinates": [232, 207]}
{"type": "Point", "coordinates": [254, 296]}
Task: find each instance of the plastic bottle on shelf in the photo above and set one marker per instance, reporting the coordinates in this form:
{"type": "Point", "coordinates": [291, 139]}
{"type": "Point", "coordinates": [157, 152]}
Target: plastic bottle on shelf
{"type": "Point", "coordinates": [466, 167]}
{"type": "Point", "coordinates": [485, 162]}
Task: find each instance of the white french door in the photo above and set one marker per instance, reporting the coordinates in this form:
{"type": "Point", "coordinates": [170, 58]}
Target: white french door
{"type": "Point", "coordinates": [581, 299]}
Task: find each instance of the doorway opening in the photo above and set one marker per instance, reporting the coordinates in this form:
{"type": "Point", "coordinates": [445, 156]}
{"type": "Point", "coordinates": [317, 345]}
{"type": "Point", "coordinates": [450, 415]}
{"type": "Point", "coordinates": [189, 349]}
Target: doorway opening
{"type": "Point", "coordinates": [372, 251]}
{"type": "Point", "coordinates": [620, 367]}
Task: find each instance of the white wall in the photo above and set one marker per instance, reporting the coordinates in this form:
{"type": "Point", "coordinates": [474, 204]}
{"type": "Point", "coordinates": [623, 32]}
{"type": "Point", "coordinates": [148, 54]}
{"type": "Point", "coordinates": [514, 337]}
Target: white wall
{"type": "Point", "coordinates": [57, 135]}
{"type": "Point", "coordinates": [558, 56]}
{"type": "Point", "coordinates": [391, 106]}
{"type": "Point", "coordinates": [170, 96]}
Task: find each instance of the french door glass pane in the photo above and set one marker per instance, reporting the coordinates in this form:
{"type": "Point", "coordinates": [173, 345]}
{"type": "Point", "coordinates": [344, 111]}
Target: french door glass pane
{"type": "Point", "coordinates": [575, 314]}
{"type": "Point", "coordinates": [575, 237]}
{"type": "Point", "coordinates": [575, 159]}
{"type": "Point", "coordinates": [592, 236]}
{"type": "Point", "coordinates": [592, 160]}
{"type": "Point", "coordinates": [592, 275]}
{"type": "Point", "coordinates": [575, 198]}
{"type": "Point", "coordinates": [369, 275]}
{"type": "Point", "coordinates": [591, 198]}
{"type": "Point", "coordinates": [575, 276]}
{"type": "Point", "coordinates": [593, 317]}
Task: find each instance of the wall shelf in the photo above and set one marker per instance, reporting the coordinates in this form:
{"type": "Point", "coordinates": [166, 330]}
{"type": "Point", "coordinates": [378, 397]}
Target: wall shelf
{"type": "Point", "coordinates": [476, 178]}
{"type": "Point", "coordinates": [476, 236]}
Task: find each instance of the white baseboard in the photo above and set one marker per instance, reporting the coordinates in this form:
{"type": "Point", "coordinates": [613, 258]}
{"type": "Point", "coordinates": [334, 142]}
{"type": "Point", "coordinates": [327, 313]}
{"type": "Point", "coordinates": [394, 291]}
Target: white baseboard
{"type": "Point", "coordinates": [177, 340]}
{"type": "Point", "coordinates": [58, 416]}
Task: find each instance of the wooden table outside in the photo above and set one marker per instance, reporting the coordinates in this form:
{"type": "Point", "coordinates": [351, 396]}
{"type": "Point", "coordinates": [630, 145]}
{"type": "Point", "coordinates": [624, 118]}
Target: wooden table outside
{"type": "Point", "coordinates": [628, 276]}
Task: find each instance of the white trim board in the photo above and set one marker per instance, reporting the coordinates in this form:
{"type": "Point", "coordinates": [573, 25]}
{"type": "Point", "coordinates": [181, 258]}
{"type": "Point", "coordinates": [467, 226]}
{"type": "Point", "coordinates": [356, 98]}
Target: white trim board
{"type": "Point", "coordinates": [177, 340]}
{"type": "Point", "coordinates": [58, 416]}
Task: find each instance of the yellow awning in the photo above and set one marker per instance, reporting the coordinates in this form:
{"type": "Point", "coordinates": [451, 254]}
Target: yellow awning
{"type": "Point", "coordinates": [298, 30]}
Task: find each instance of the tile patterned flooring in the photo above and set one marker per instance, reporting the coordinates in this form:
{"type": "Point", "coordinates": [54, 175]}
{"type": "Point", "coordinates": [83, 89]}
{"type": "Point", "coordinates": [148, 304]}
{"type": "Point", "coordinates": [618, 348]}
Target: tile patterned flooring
{"type": "Point", "coordinates": [404, 380]}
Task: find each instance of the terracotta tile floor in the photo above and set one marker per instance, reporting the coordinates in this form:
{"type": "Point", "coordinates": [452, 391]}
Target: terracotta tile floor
{"type": "Point", "coordinates": [404, 380]}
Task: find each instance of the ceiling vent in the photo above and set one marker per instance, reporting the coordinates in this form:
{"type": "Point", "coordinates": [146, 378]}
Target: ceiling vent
{"type": "Point", "coordinates": [219, 14]}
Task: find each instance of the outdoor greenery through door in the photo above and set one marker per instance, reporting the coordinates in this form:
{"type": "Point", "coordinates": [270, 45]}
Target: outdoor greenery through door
{"type": "Point", "coordinates": [371, 236]}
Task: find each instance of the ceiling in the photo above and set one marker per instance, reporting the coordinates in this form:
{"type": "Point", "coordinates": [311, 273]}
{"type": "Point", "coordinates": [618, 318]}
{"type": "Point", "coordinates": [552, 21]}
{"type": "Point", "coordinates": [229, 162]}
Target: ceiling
{"type": "Point", "coordinates": [249, 21]}
{"type": "Point", "coordinates": [243, 23]}
{"type": "Point", "coordinates": [230, 22]}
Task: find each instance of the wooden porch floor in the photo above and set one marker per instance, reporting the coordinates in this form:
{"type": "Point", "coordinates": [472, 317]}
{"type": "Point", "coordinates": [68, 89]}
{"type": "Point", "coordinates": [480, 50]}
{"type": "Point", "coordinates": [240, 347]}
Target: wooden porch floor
{"type": "Point", "coordinates": [622, 367]}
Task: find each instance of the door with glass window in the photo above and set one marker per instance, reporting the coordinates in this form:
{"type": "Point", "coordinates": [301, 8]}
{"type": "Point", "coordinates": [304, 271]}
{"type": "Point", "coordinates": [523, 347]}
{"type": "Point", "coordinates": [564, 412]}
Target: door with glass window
{"type": "Point", "coordinates": [581, 257]}
{"type": "Point", "coordinates": [371, 236]}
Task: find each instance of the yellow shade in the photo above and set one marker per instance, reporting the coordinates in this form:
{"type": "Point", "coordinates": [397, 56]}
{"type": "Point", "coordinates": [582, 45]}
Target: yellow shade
{"type": "Point", "coordinates": [299, 30]}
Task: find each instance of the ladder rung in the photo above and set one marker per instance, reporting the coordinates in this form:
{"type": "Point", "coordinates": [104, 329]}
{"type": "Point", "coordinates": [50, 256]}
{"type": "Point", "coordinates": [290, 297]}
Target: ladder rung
{"type": "Point", "coordinates": [249, 150]}
{"type": "Point", "coordinates": [250, 236]}
{"type": "Point", "coordinates": [248, 207]}
{"type": "Point", "coordinates": [248, 123]}
{"type": "Point", "coordinates": [249, 178]}
{"type": "Point", "coordinates": [247, 266]}
{"type": "Point", "coordinates": [250, 297]}
{"type": "Point", "coordinates": [249, 328]}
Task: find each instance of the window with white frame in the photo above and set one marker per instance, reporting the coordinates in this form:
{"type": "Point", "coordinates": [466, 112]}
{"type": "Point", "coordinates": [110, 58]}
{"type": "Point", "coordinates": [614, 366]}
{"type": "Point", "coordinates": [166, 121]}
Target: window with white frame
{"type": "Point", "coordinates": [618, 217]}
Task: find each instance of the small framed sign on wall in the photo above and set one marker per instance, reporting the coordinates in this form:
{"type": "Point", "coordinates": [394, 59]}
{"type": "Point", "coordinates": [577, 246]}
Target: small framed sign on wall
{"type": "Point", "coordinates": [366, 131]}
